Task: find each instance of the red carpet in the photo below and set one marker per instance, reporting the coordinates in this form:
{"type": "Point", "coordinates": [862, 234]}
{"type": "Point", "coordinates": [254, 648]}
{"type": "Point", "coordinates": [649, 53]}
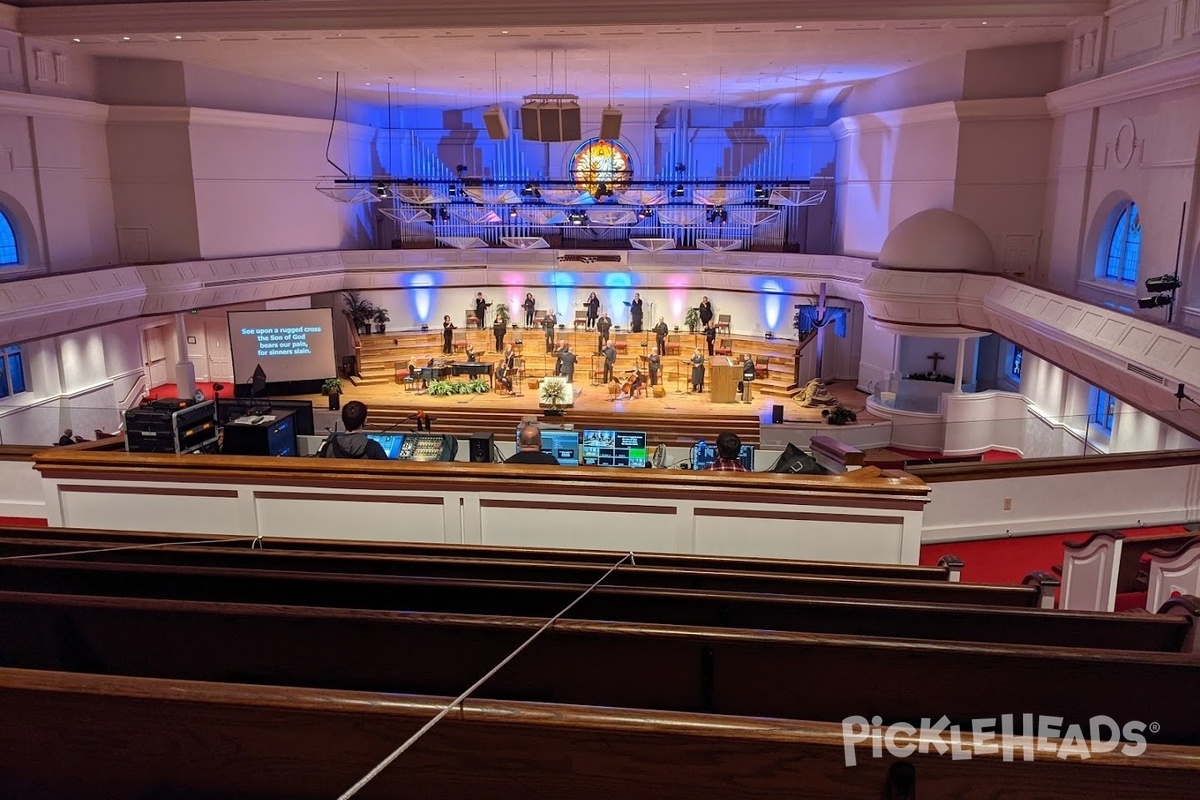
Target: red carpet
{"type": "Point", "coordinates": [171, 390]}
{"type": "Point", "coordinates": [1010, 560]}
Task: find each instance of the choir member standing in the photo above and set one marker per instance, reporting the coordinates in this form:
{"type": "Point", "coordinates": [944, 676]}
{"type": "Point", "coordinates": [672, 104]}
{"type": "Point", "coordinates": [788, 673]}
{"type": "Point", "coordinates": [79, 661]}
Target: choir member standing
{"type": "Point", "coordinates": [548, 323]}
{"type": "Point", "coordinates": [706, 312]}
{"type": "Point", "coordinates": [660, 335]}
{"type": "Point", "coordinates": [499, 329]}
{"type": "Point", "coordinates": [603, 326]}
{"type": "Point", "coordinates": [697, 371]}
{"type": "Point", "coordinates": [635, 313]}
{"type": "Point", "coordinates": [654, 363]}
{"type": "Point", "coordinates": [529, 305]}
{"type": "Point", "coordinates": [481, 307]}
{"type": "Point", "coordinates": [593, 310]}
{"type": "Point", "coordinates": [447, 335]}
{"type": "Point", "coordinates": [710, 336]}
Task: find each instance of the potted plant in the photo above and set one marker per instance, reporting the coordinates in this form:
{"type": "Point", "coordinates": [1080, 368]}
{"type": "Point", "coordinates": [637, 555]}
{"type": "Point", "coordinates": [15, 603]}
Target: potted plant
{"type": "Point", "coordinates": [502, 313]}
{"type": "Point", "coordinates": [691, 318]}
{"type": "Point", "coordinates": [361, 311]}
{"type": "Point", "coordinates": [839, 415]}
{"type": "Point", "coordinates": [332, 388]}
{"type": "Point", "coordinates": [381, 319]}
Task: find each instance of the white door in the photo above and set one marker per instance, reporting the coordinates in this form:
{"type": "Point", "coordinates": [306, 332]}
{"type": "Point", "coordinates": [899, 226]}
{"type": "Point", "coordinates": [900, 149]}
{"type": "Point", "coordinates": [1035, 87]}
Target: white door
{"type": "Point", "coordinates": [154, 351]}
{"type": "Point", "coordinates": [220, 363]}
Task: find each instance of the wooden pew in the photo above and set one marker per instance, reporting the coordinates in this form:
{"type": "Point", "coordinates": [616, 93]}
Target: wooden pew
{"type": "Point", "coordinates": [1107, 564]}
{"type": "Point", "coordinates": [1173, 570]}
{"type": "Point", "coordinates": [259, 585]}
{"type": "Point", "coordinates": [20, 541]}
{"type": "Point", "coordinates": [793, 676]}
{"type": "Point", "coordinates": [90, 737]}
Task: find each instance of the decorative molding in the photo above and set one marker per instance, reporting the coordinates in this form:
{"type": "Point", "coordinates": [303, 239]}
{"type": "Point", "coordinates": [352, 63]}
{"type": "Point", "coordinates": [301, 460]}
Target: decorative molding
{"type": "Point", "coordinates": [37, 105]}
{"type": "Point", "coordinates": [1008, 109]}
{"type": "Point", "coordinates": [1180, 72]}
{"type": "Point", "coordinates": [1124, 146]}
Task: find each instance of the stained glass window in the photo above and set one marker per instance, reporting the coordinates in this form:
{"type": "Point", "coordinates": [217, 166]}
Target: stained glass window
{"type": "Point", "coordinates": [9, 254]}
{"type": "Point", "coordinates": [1104, 409]}
{"type": "Point", "coordinates": [12, 371]}
{"type": "Point", "coordinates": [1125, 247]}
{"type": "Point", "coordinates": [601, 161]}
{"type": "Point", "coordinates": [1017, 357]}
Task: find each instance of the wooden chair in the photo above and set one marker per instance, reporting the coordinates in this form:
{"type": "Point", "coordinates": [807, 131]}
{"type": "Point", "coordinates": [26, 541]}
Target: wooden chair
{"type": "Point", "coordinates": [724, 348]}
{"type": "Point", "coordinates": [461, 344]}
{"type": "Point", "coordinates": [673, 345]}
{"type": "Point", "coordinates": [620, 342]}
{"type": "Point", "coordinates": [762, 367]}
{"type": "Point", "coordinates": [472, 320]}
{"type": "Point", "coordinates": [724, 323]}
{"type": "Point", "coordinates": [580, 318]}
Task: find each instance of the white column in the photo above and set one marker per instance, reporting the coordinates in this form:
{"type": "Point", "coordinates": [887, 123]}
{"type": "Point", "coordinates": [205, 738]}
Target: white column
{"type": "Point", "coordinates": [185, 370]}
{"type": "Point", "coordinates": [958, 365]}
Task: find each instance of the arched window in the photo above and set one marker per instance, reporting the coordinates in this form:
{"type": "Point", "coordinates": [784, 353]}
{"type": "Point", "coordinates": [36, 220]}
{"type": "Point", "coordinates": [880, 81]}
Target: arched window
{"type": "Point", "coordinates": [598, 161]}
{"type": "Point", "coordinates": [9, 252]}
{"type": "Point", "coordinates": [1119, 262]}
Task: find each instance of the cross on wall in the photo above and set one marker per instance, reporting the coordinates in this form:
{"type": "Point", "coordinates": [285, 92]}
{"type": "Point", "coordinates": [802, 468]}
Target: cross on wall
{"type": "Point", "coordinates": [935, 358]}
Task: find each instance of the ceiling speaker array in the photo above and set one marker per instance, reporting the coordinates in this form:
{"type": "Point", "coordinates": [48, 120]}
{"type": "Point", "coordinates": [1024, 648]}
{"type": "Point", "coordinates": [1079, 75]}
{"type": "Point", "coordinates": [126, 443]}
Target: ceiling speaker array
{"type": "Point", "coordinates": [551, 121]}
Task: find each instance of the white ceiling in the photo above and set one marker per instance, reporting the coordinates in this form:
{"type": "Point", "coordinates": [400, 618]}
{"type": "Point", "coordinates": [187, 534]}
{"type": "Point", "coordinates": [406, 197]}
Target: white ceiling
{"type": "Point", "coordinates": [728, 62]}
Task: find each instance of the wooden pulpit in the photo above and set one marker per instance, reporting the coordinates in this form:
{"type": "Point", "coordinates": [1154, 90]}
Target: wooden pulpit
{"type": "Point", "coordinates": [723, 378]}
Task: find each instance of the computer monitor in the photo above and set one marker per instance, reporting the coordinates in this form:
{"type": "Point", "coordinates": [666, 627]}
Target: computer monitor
{"type": "Point", "coordinates": [563, 445]}
{"type": "Point", "coordinates": [704, 455]}
{"type": "Point", "coordinates": [390, 442]}
{"type": "Point", "coordinates": [609, 448]}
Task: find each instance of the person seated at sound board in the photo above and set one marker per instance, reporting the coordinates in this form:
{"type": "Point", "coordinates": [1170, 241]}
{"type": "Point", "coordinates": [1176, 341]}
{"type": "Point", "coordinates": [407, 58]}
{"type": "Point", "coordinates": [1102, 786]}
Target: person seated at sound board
{"type": "Point", "coordinates": [729, 447]}
{"type": "Point", "coordinates": [353, 443]}
{"type": "Point", "coordinates": [529, 448]}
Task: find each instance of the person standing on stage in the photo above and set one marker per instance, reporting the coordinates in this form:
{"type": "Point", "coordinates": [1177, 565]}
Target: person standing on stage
{"type": "Point", "coordinates": [706, 314]}
{"type": "Point", "coordinates": [603, 326]}
{"type": "Point", "coordinates": [610, 361]}
{"type": "Point", "coordinates": [481, 307]}
{"type": "Point", "coordinates": [654, 364]}
{"type": "Point", "coordinates": [660, 335]}
{"type": "Point", "coordinates": [593, 310]}
{"type": "Point", "coordinates": [529, 305]}
{"type": "Point", "coordinates": [499, 329]}
{"type": "Point", "coordinates": [447, 335]}
{"type": "Point", "coordinates": [710, 336]}
{"type": "Point", "coordinates": [548, 323]}
{"type": "Point", "coordinates": [635, 313]}
{"type": "Point", "coordinates": [566, 363]}
{"type": "Point", "coordinates": [747, 376]}
{"type": "Point", "coordinates": [697, 371]}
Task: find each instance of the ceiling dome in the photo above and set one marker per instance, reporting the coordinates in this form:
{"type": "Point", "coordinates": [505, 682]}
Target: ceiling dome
{"type": "Point", "coordinates": [938, 239]}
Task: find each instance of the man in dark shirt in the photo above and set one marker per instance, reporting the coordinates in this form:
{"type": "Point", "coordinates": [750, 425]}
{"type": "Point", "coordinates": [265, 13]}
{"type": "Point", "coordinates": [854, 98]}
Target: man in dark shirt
{"type": "Point", "coordinates": [610, 359]}
{"type": "Point", "coordinates": [660, 335]}
{"type": "Point", "coordinates": [481, 306]}
{"type": "Point", "coordinates": [353, 443]}
{"type": "Point", "coordinates": [529, 448]}
{"type": "Point", "coordinates": [603, 326]}
{"type": "Point", "coordinates": [548, 323]}
{"type": "Point", "coordinates": [566, 363]}
{"type": "Point", "coordinates": [710, 336]}
{"type": "Point", "coordinates": [729, 447]}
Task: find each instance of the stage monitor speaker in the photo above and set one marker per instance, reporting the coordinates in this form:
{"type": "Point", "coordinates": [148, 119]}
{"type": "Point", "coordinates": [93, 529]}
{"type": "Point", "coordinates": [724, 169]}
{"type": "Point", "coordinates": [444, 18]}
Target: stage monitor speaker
{"type": "Point", "coordinates": [777, 414]}
{"type": "Point", "coordinates": [482, 447]}
{"type": "Point", "coordinates": [496, 123]}
{"type": "Point", "coordinates": [610, 124]}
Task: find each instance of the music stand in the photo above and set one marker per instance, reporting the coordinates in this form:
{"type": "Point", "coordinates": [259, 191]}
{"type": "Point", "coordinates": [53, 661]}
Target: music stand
{"type": "Point", "coordinates": [679, 375]}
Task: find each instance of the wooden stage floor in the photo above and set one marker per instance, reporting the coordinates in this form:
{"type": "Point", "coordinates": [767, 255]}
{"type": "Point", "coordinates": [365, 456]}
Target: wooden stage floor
{"type": "Point", "coordinates": [595, 399]}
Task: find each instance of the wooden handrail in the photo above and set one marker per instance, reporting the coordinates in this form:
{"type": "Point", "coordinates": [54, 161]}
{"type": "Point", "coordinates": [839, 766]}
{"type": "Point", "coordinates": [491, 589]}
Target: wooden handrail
{"type": "Point", "coordinates": [408, 475]}
{"type": "Point", "coordinates": [20, 452]}
{"type": "Point", "coordinates": [1059, 465]}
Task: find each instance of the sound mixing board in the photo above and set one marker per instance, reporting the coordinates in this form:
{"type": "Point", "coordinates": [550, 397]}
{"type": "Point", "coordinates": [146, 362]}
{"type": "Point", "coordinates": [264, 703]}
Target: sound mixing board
{"type": "Point", "coordinates": [427, 447]}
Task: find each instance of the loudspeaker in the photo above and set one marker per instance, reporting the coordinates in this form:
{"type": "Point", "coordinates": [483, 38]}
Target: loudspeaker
{"type": "Point", "coordinates": [551, 122]}
{"type": "Point", "coordinates": [482, 447]}
{"type": "Point", "coordinates": [610, 124]}
{"type": "Point", "coordinates": [496, 122]}
{"type": "Point", "coordinates": [777, 414]}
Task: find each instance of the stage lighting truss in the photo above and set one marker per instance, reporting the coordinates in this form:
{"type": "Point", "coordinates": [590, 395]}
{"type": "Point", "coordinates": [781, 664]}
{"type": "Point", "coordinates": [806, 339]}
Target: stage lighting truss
{"type": "Point", "coordinates": [488, 196]}
{"type": "Point", "coordinates": [754, 216]}
{"type": "Point", "coordinates": [796, 197]}
{"type": "Point", "coordinates": [719, 197]}
{"type": "Point", "coordinates": [542, 216]}
{"type": "Point", "coordinates": [683, 217]}
{"type": "Point", "coordinates": [719, 245]}
{"type": "Point", "coordinates": [463, 242]}
{"type": "Point", "coordinates": [420, 195]}
{"type": "Point", "coordinates": [642, 197]}
{"type": "Point", "coordinates": [473, 215]}
{"type": "Point", "coordinates": [407, 215]}
{"type": "Point", "coordinates": [525, 242]}
{"type": "Point", "coordinates": [348, 194]}
{"type": "Point", "coordinates": [611, 217]}
{"type": "Point", "coordinates": [652, 245]}
{"type": "Point", "coordinates": [567, 197]}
